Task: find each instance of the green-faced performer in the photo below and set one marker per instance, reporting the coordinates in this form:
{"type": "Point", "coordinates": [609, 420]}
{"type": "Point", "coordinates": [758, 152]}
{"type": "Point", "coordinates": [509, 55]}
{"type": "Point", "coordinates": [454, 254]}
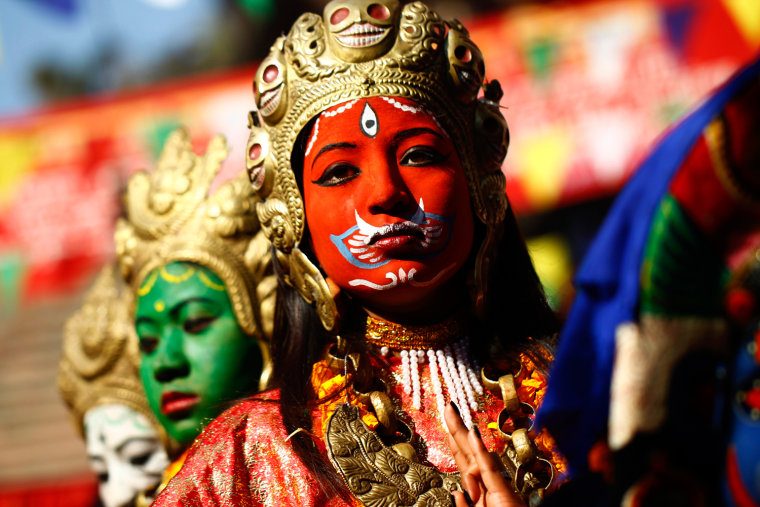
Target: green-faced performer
{"type": "Point", "coordinates": [203, 295]}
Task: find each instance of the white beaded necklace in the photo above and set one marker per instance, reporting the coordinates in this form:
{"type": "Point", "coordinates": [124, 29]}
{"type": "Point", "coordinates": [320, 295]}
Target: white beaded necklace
{"type": "Point", "coordinates": [459, 376]}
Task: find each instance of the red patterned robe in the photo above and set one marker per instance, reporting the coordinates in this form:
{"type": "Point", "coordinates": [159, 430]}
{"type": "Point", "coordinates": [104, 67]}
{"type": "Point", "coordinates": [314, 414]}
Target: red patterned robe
{"type": "Point", "coordinates": [243, 458]}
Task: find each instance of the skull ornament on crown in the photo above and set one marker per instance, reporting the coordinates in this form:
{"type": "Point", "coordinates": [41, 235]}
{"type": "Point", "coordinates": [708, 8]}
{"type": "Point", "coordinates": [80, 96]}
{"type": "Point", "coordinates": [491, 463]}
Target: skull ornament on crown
{"type": "Point", "coordinates": [271, 94]}
{"type": "Point", "coordinates": [467, 68]}
{"type": "Point", "coordinates": [361, 49]}
{"type": "Point", "coordinates": [360, 30]}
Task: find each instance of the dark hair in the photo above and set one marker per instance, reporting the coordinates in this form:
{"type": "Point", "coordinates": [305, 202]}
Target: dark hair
{"type": "Point", "coordinates": [517, 320]}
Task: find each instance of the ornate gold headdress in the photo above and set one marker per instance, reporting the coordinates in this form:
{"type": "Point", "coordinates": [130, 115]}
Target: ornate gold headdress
{"type": "Point", "coordinates": [171, 218]}
{"type": "Point", "coordinates": [99, 363]}
{"type": "Point", "coordinates": [367, 48]}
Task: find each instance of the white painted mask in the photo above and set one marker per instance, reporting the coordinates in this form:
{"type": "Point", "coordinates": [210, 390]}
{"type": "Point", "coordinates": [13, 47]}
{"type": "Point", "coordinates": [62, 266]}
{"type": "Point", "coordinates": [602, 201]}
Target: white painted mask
{"type": "Point", "coordinates": [124, 451]}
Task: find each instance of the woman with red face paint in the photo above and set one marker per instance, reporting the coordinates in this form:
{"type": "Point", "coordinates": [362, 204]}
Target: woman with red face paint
{"type": "Point", "coordinates": [412, 334]}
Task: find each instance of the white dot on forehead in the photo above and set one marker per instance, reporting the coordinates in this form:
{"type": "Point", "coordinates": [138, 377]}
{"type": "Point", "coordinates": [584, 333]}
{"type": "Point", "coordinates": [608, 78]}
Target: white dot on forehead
{"type": "Point", "coordinates": [368, 122]}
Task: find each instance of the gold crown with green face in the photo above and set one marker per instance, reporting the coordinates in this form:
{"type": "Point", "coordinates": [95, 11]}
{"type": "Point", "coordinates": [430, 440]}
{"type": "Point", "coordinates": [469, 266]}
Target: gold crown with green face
{"type": "Point", "coordinates": [99, 359]}
{"type": "Point", "coordinates": [171, 218]}
{"type": "Point", "coordinates": [360, 49]}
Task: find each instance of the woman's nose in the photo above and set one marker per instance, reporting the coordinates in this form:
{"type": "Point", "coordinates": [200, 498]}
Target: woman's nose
{"type": "Point", "coordinates": [388, 193]}
{"type": "Point", "coordinates": [170, 361]}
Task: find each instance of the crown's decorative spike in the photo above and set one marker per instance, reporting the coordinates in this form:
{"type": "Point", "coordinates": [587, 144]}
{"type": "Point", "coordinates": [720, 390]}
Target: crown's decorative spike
{"type": "Point", "coordinates": [171, 217]}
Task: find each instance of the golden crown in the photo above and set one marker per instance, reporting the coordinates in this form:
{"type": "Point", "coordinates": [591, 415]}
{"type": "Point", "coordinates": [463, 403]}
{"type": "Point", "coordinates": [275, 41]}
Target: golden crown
{"type": "Point", "coordinates": [368, 48]}
{"type": "Point", "coordinates": [171, 217]}
{"type": "Point", "coordinates": [99, 361]}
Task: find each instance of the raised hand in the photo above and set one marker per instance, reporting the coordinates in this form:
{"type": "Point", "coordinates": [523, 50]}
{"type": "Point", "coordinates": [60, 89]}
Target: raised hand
{"type": "Point", "coordinates": [481, 473]}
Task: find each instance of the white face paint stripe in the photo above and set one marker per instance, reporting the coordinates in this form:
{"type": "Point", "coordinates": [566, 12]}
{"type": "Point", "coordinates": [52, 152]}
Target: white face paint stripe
{"type": "Point", "coordinates": [328, 114]}
{"type": "Point", "coordinates": [313, 137]}
{"type": "Point", "coordinates": [404, 107]}
{"type": "Point", "coordinates": [403, 278]}
{"type": "Point", "coordinates": [348, 105]}
{"type": "Point", "coordinates": [365, 229]}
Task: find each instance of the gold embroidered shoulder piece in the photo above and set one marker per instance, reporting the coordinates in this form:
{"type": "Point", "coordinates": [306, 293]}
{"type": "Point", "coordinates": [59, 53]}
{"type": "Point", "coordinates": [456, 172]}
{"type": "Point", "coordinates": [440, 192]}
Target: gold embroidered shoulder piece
{"type": "Point", "coordinates": [376, 474]}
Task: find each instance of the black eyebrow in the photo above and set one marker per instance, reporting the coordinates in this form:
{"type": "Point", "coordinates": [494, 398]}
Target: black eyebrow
{"type": "Point", "coordinates": [405, 134]}
{"type": "Point", "coordinates": [329, 147]}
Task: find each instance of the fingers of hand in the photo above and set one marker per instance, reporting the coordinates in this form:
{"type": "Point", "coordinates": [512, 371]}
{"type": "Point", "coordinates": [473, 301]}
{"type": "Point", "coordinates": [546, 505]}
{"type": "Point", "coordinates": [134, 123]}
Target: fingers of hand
{"type": "Point", "coordinates": [460, 499]}
{"type": "Point", "coordinates": [460, 458]}
{"type": "Point", "coordinates": [473, 485]}
{"type": "Point", "coordinates": [490, 469]}
{"type": "Point", "coordinates": [458, 432]}
{"type": "Point", "coordinates": [495, 483]}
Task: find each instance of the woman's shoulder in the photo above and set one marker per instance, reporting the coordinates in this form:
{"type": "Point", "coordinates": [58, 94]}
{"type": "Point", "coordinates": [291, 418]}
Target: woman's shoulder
{"type": "Point", "coordinates": [259, 413]}
{"type": "Point", "coordinates": [242, 442]}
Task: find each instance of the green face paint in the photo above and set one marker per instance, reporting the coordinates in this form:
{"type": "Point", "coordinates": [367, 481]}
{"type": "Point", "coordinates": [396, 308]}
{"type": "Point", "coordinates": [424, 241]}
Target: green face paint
{"type": "Point", "coordinates": [195, 356]}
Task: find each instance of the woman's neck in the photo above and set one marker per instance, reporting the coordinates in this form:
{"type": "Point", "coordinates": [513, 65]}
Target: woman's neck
{"type": "Point", "coordinates": [448, 300]}
{"type": "Point", "coordinates": [383, 333]}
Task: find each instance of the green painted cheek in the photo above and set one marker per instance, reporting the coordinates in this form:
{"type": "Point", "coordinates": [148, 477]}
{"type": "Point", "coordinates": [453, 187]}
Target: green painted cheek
{"type": "Point", "coordinates": [233, 361]}
{"type": "Point", "coordinates": [222, 363]}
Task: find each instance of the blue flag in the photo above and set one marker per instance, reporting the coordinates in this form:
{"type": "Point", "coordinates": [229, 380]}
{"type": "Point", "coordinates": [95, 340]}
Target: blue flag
{"type": "Point", "coordinates": [576, 405]}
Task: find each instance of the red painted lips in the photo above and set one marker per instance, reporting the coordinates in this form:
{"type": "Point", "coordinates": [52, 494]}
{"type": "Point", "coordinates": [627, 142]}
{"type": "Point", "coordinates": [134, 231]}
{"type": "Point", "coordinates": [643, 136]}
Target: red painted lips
{"type": "Point", "coordinates": [176, 405]}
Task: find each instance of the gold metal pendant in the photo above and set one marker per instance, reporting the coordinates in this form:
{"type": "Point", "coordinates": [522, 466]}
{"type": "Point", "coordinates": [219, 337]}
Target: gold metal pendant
{"type": "Point", "coordinates": [376, 474]}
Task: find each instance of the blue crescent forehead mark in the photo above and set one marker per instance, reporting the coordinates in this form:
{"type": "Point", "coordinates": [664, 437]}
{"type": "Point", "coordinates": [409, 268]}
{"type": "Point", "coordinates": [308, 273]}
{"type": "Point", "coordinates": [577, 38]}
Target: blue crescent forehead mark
{"type": "Point", "coordinates": [338, 242]}
{"type": "Point", "coordinates": [368, 123]}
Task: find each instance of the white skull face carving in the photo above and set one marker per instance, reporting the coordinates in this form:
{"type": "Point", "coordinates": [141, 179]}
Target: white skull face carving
{"type": "Point", "coordinates": [269, 85]}
{"type": "Point", "coordinates": [124, 451]}
{"type": "Point", "coordinates": [466, 66]}
{"type": "Point", "coordinates": [258, 150]}
{"type": "Point", "coordinates": [361, 30]}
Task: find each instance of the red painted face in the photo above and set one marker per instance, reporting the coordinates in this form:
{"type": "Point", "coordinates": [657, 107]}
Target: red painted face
{"type": "Point", "coordinates": [386, 202]}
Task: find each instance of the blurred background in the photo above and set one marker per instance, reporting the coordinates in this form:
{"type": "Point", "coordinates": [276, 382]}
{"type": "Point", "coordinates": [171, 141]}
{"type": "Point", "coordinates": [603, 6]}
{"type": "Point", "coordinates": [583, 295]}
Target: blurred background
{"type": "Point", "coordinates": [89, 90]}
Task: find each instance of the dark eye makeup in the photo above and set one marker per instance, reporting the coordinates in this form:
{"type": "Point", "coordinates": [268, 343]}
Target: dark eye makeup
{"type": "Point", "coordinates": [337, 174]}
{"type": "Point", "coordinates": [421, 156]}
{"type": "Point", "coordinates": [148, 344]}
{"type": "Point", "coordinates": [140, 460]}
{"type": "Point", "coordinates": [195, 325]}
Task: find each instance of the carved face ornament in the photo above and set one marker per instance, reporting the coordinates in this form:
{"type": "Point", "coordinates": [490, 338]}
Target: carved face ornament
{"type": "Point", "coordinates": [360, 30]}
{"type": "Point", "coordinates": [467, 67]}
{"type": "Point", "coordinates": [258, 149]}
{"type": "Point", "coordinates": [269, 85]}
